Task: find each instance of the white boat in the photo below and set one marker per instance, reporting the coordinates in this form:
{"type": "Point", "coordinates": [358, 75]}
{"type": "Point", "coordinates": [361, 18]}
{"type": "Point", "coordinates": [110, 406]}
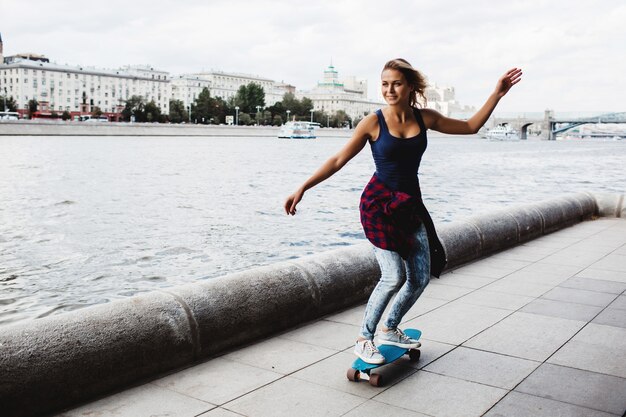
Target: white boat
{"type": "Point", "coordinates": [9, 115]}
{"type": "Point", "coordinates": [297, 130]}
{"type": "Point", "coordinates": [502, 132]}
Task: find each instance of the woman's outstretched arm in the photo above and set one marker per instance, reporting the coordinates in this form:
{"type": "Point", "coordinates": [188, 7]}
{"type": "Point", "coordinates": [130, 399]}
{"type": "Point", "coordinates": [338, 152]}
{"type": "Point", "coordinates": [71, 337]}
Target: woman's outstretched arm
{"type": "Point", "coordinates": [361, 135]}
{"type": "Point", "coordinates": [440, 123]}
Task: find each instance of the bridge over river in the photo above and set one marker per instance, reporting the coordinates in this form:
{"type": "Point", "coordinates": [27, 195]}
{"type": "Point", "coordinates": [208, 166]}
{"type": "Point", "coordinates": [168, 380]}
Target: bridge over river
{"type": "Point", "coordinates": [551, 126]}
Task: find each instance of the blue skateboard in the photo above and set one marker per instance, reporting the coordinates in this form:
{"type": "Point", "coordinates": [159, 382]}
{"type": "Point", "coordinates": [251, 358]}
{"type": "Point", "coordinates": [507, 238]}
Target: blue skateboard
{"type": "Point", "coordinates": [391, 354]}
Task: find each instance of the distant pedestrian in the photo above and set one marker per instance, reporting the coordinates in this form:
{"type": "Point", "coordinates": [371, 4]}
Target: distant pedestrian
{"type": "Point", "coordinates": [393, 215]}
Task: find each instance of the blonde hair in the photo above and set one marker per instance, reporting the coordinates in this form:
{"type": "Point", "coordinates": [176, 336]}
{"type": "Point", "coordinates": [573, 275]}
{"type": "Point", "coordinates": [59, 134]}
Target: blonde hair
{"type": "Point", "coordinates": [414, 78]}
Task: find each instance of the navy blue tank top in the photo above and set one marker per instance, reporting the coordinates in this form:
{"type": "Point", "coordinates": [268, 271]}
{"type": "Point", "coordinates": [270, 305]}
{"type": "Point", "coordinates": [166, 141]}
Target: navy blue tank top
{"type": "Point", "coordinates": [398, 160]}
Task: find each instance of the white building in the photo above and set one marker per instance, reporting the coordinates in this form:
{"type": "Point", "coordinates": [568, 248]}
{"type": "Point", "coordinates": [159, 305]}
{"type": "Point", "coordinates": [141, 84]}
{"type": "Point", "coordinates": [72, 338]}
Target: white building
{"type": "Point", "coordinates": [349, 95]}
{"type": "Point", "coordinates": [443, 100]}
{"type": "Point", "coordinates": [277, 92]}
{"type": "Point", "coordinates": [187, 88]}
{"type": "Point", "coordinates": [225, 85]}
{"type": "Point", "coordinates": [78, 89]}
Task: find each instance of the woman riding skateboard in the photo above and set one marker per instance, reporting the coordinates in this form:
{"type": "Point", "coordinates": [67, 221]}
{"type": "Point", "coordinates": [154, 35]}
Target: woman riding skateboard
{"type": "Point", "coordinates": [393, 215]}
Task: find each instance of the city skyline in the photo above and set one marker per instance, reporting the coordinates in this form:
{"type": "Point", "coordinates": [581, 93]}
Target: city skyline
{"type": "Point", "coordinates": [571, 53]}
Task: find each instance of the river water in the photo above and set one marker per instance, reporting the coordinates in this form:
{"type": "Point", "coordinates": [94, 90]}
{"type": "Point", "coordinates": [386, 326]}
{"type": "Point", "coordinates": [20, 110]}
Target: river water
{"type": "Point", "coordinates": [85, 220]}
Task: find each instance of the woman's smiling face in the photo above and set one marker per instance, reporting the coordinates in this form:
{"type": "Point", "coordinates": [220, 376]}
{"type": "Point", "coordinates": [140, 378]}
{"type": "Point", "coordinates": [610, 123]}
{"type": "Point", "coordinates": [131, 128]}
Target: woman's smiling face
{"type": "Point", "coordinates": [394, 87]}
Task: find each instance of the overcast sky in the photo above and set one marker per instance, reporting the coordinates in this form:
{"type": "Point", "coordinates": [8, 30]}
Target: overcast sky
{"type": "Point", "coordinates": [573, 52]}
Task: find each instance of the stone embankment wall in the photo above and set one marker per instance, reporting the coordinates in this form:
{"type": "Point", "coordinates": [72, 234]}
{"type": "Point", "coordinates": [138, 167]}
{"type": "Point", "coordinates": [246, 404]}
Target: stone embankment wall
{"type": "Point", "coordinates": [59, 361]}
{"type": "Point", "coordinates": [60, 128]}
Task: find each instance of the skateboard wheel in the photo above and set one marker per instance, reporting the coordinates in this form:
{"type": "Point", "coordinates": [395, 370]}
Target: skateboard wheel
{"type": "Point", "coordinates": [354, 375]}
{"type": "Point", "coordinates": [414, 355]}
{"type": "Point", "coordinates": [376, 380]}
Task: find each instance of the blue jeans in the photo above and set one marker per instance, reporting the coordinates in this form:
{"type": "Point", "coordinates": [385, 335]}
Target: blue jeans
{"type": "Point", "coordinates": [406, 277]}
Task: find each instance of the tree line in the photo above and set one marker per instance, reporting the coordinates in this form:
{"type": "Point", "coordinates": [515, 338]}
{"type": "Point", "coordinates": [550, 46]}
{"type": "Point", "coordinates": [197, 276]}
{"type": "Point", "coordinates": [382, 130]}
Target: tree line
{"type": "Point", "coordinates": [248, 106]}
{"type": "Point", "coordinates": [11, 105]}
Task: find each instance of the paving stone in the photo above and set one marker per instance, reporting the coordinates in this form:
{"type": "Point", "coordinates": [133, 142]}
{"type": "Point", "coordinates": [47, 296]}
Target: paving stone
{"type": "Point", "coordinates": [554, 241]}
{"type": "Point", "coordinates": [574, 386]}
{"type": "Point", "coordinates": [619, 303]}
{"type": "Point", "coordinates": [553, 245]}
{"type": "Point", "coordinates": [527, 336]}
{"type": "Point", "coordinates": [495, 299]}
{"type": "Point", "coordinates": [324, 333]}
{"type": "Point", "coordinates": [608, 238]}
{"type": "Point", "coordinates": [585, 246]}
{"type": "Point", "coordinates": [456, 322]}
{"type": "Point", "coordinates": [602, 274]}
{"type": "Point", "coordinates": [292, 397]}
{"type": "Point", "coordinates": [219, 412]}
{"type": "Point", "coordinates": [524, 253]}
{"type": "Point", "coordinates": [571, 295]}
{"type": "Point", "coordinates": [598, 285]}
{"type": "Point", "coordinates": [445, 292]}
{"type": "Point", "coordinates": [483, 271]}
{"type": "Point", "coordinates": [280, 355]}
{"type": "Point", "coordinates": [517, 404]}
{"type": "Point", "coordinates": [612, 317]}
{"type": "Point", "coordinates": [496, 261]}
{"type": "Point", "coordinates": [353, 316]}
{"type": "Point", "coordinates": [595, 348]}
{"type": "Point", "coordinates": [561, 235]}
{"type": "Point", "coordinates": [611, 263]}
{"type": "Point", "coordinates": [583, 230]}
{"type": "Point", "coordinates": [145, 400]}
{"type": "Point", "coordinates": [431, 351]}
{"type": "Point", "coordinates": [422, 306]}
{"type": "Point", "coordinates": [483, 367]}
{"type": "Point", "coordinates": [331, 373]}
{"type": "Point", "coordinates": [376, 409]}
{"type": "Point", "coordinates": [561, 309]}
{"type": "Point", "coordinates": [613, 241]}
{"type": "Point", "coordinates": [519, 286]}
{"type": "Point", "coordinates": [467, 281]}
{"type": "Point", "coordinates": [544, 273]}
{"type": "Point", "coordinates": [611, 236]}
{"type": "Point", "coordinates": [438, 395]}
{"type": "Point", "coordinates": [218, 381]}
{"type": "Point", "coordinates": [571, 257]}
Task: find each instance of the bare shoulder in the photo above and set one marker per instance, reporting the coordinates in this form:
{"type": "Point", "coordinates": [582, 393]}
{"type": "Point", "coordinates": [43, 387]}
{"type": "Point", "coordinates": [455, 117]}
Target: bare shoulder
{"type": "Point", "coordinates": [430, 117]}
{"type": "Point", "coordinates": [368, 126]}
{"type": "Point", "coordinates": [369, 121]}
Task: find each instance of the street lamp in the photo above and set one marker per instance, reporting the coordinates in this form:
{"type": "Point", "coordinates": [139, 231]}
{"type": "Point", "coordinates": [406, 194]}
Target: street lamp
{"type": "Point", "coordinates": [190, 114]}
{"type": "Point", "coordinates": [288, 111]}
{"type": "Point", "coordinates": [258, 108]}
{"type": "Point", "coordinates": [311, 115]}
{"type": "Point", "coordinates": [236, 115]}
{"type": "Point", "coordinates": [328, 120]}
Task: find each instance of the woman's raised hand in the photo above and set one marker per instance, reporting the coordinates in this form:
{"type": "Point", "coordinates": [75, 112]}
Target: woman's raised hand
{"type": "Point", "coordinates": [508, 80]}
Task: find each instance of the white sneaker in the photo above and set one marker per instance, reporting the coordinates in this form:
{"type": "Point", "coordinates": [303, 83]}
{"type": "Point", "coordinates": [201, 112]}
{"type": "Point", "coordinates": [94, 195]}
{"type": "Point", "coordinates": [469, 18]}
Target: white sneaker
{"type": "Point", "coordinates": [368, 352]}
{"type": "Point", "coordinates": [396, 337]}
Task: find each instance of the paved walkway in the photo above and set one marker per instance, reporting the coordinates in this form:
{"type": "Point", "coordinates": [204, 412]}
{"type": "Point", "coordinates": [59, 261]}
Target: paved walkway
{"type": "Point", "coordinates": [537, 330]}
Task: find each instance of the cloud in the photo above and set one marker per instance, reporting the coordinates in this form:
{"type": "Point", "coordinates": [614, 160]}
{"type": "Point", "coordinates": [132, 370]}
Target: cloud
{"type": "Point", "coordinates": [571, 51]}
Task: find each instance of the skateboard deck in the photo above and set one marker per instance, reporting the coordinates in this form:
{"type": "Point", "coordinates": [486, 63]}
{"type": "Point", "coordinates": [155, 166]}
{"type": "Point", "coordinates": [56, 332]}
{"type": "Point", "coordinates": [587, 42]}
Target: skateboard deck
{"type": "Point", "coordinates": [391, 354]}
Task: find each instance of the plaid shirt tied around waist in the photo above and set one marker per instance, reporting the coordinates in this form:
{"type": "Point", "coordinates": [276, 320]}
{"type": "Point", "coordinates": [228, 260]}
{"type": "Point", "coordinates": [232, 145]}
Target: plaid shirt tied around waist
{"type": "Point", "coordinates": [391, 218]}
